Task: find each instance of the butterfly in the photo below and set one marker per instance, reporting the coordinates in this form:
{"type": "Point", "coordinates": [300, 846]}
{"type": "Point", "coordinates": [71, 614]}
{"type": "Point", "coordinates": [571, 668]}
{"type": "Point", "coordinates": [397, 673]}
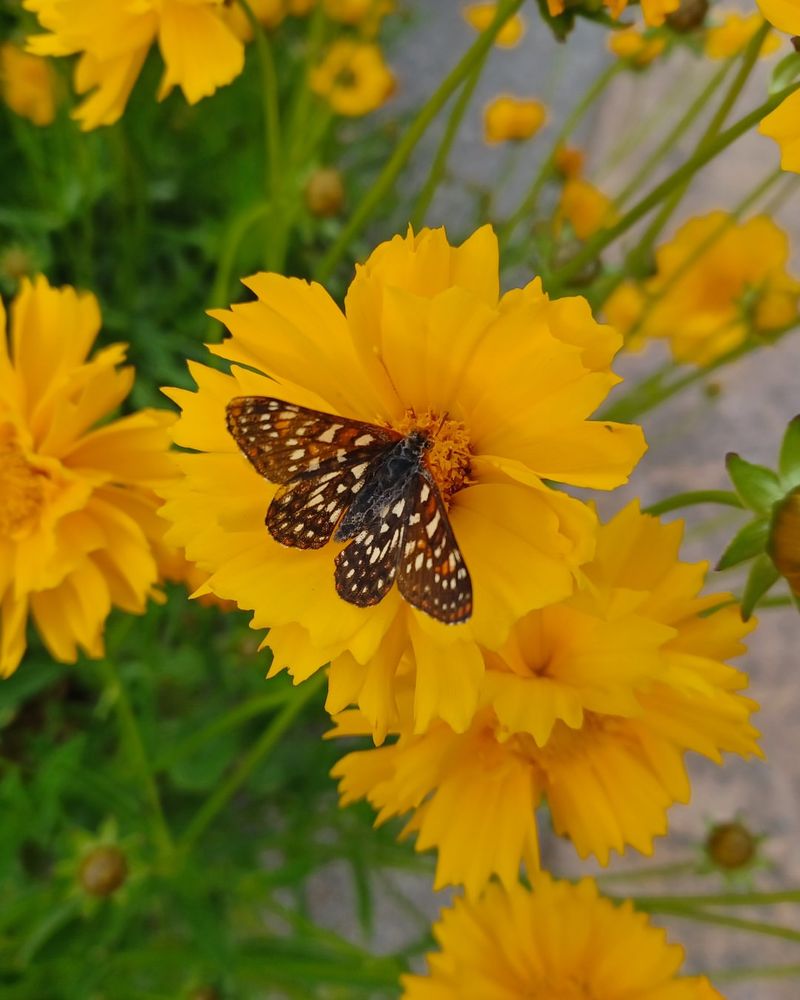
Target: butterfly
{"type": "Point", "coordinates": [361, 483]}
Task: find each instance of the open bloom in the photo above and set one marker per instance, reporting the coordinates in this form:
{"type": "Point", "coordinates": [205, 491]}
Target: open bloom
{"type": "Point", "coordinates": [717, 282]}
{"type": "Point", "coordinates": [732, 35]}
{"type": "Point", "coordinates": [584, 207]}
{"type": "Point", "coordinates": [353, 78]}
{"type": "Point", "coordinates": [200, 49]}
{"type": "Point", "coordinates": [27, 84]}
{"type": "Point", "coordinates": [558, 941]}
{"type": "Point", "coordinates": [635, 47]}
{"type": "Point", "coordinates": [76, 502]}
{"type": "Point", "coordinates": [502, 384]}
{"type": "Point", "coordinates": [590, 705]}
{"type": "Point", "coordinates": [512, 118]}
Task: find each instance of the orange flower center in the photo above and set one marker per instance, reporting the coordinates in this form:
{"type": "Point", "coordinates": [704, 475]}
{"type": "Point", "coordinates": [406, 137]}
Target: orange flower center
{"type": "Point", "coordinates": [21, 491]}
{"type": "Point", "coordinates": [449, 456]}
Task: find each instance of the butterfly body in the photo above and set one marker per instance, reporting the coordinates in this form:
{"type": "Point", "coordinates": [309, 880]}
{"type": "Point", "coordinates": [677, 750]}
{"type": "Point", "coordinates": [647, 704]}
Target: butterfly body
{"type": "Point", "coordinates": [363, 484]}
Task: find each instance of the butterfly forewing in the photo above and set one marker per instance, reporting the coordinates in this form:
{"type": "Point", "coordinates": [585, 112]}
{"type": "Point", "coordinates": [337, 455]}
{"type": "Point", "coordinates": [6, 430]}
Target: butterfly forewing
{"type": "Point", "coordinates": [282, 440]}
{"type": "Point", "coordinates": [305, 511]}
{"type": "Point", "coordinates": [432, 574]}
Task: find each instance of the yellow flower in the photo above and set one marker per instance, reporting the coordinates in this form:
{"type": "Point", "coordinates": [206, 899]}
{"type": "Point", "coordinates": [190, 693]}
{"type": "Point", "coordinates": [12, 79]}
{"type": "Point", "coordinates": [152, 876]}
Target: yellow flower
{"type": "Point", "coordinates": [200, 50]}
{"type": "Point", "coordinates": [508, 117]}
{"type": "Point", "coordinates": [784, 14]}
{"type": "Point", "coordinates": [733, 35]}
{"type": "Point", "coordinates": [589, 705]}
{"type": "Point", "coordinates": [783, 125]}
{"type": "Point", "coordinates": [654, 11]}
{"type": "Point", "coordinates": [353, 78]}
{"type": "Point", "coordinates": [636, 47]}
{"type": "Point", "coordinates": [559, 942]}
{"type": "Point", "coordinates": [270, 13]}
{"type": "Point", "coordinates": [584, 207]}
{"type": "Point", "coordinates": [480, 16]}
{"type": "Point", "coordinates": [76, 500]}
{"type": "Point", "coordinates": [504, 386]}
{"type": "Point", "coordinates": [716, 281]}
{"type": "Point", "coordinates": [28, 84]}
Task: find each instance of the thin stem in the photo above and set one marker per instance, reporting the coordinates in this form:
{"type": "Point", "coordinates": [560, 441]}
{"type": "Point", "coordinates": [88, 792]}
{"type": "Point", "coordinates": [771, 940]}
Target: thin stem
{"type": "Point", "coordinates": [429, 110]}
{"type": "Point", "coordinates": [269, 97]}
{"type": "Point", "coordinates": [655, 871]}
{"type": "Point", "coordinates": [137, 755]}
{"type": "Point", "coordinates": [528, 204]}
{"type": "Point", "coordinates": [724, 920]}
{"type": "Point", "coordinates": [593, 247]}
{"type": "Point", "coordinates": [448, 138]}
{"type": "Point", "coordinates": [723, 899]}
{"type": "Point", "coordinates": [675, 133]}
{"type": "Point", "coordinates": [754, 972]}
{"type": "Point", "coordinates": [237, 230]}
{"type": "Point", "coordinates": [691, 498]}
{"type": "Point", "coordinates": [257, 753]}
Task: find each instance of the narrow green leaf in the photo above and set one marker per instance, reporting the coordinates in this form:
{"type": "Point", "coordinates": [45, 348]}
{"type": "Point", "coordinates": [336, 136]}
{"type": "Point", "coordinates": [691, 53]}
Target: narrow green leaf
{"type": "Point", "coordinates": [789, 462]}
{"type": "Point", "coordinates": [747, 543]}
{"type": "Point", "coordinates": [786, 71]}
{"type": "Point", "coordinates": [757, 485]}
{"type": "Point", "coordinates": [762, 576]}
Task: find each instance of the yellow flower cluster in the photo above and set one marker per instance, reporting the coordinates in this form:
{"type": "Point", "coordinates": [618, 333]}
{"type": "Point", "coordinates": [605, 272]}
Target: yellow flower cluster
{"type": "Point", "coordinates": [588, 666]}
{"type": "Point", "coordinates": [717, 282]}
{"type": "Point", "coordinates": [79, 533]}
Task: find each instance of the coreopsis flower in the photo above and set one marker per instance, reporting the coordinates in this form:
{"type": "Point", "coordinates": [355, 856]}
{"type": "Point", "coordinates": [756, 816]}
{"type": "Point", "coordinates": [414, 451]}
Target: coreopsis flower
{"type": "Point", "coordinates": [75, 498]}
{"type": "Point", "coordinates": [654, 11]}
{"type": "Point", "coordinates": [353, 78]}
{"type": "Point", "coordinates": [512, 118]}
{"type": "Point", "coordinates": [480, 15]}
{"type": "Point", "coordinates": [717, 282]}
{"type": "Point", "coordinates": [499, 386]}
{"type": "Point", "coordinates": [584, 207]}
{"type": "Point", "coordinates": [733, 34]}
{"type": "Point", "coordinates": [559, 940]}
{"type": "Point", "coordinates": [635, 47]}
{"type": "Point", "coordinates": [200, 49]}
{"type": "Point", "coordinates": [366, 15]}
{"type": "Point", "coordinates": [27, 84]}
{"type": "Point", "coordinates": [783, 124]}
{"type": "Point", "coordinates": [589, 705]}
{"type": "Point", "coordinates": [270, 13]}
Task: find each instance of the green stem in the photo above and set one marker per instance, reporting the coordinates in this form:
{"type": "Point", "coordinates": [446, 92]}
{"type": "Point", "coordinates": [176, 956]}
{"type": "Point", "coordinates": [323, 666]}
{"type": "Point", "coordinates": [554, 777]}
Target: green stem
{"type": "Point", "coordinates": [724, 920]}
{"type": "Point", "coordinates": [257, 753]}
{"type": "Point", "coordinates": [655, 871]}
{"type": "Point", "coordinates": [237, 230]}
{"type": "Point", "coordinates": [528, 204]}
{"type": "Point", "coordinates": [693, 497]}
{"type": "Point", "coordinates": [754, 972]}
{"type": "Point", "coordinates": [429, 110]}
{"type": "Point", "coordinates": [676, 132]}
{"type": "Point", "coordinates": [593, 247]}
{"type": "Point", "coordinates": [137, 755]}
{"type": "Point", "coordinates": [448, 138]}
{"type": "Point", "coordinates": [723, 899]}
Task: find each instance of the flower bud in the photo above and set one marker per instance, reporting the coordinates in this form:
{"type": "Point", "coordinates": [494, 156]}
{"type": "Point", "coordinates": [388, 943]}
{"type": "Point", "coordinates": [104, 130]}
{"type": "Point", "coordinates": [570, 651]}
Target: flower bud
{"type": "Point", "coordinates": [103, 870]}
{"type": "Point", "coordinates": [690, 15]}
{"type": "Point", "coordinates": [731, 845]}
{"type": "Point", "coordinates": [784, 539]}
{"type": "Point", "coordinates": [325, 193]}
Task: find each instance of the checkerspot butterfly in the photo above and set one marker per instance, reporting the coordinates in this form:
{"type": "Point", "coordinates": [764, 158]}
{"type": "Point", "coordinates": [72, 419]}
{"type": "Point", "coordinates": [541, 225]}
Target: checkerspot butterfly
{"type": "Point", "coordinates": [362, 483]}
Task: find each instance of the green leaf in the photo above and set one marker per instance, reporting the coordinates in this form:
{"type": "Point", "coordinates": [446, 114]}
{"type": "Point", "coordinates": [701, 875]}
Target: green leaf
{"type": "Point", "coordinates": [757, 485]}
{"type": "Point", "coordinates": [789, 462]}
{"type": "Point", "coordinates": [787, 70]}
{"type": "Point", "coordinates": [747, 543]}
{"type": "Point", "coordinates": [762, 576]}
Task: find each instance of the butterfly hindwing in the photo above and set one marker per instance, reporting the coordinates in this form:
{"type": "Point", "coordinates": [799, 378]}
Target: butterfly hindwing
{"type": "Point", "coordinates": [283, 440]}
{"type": "Point", "coordinates": [432, 574]}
